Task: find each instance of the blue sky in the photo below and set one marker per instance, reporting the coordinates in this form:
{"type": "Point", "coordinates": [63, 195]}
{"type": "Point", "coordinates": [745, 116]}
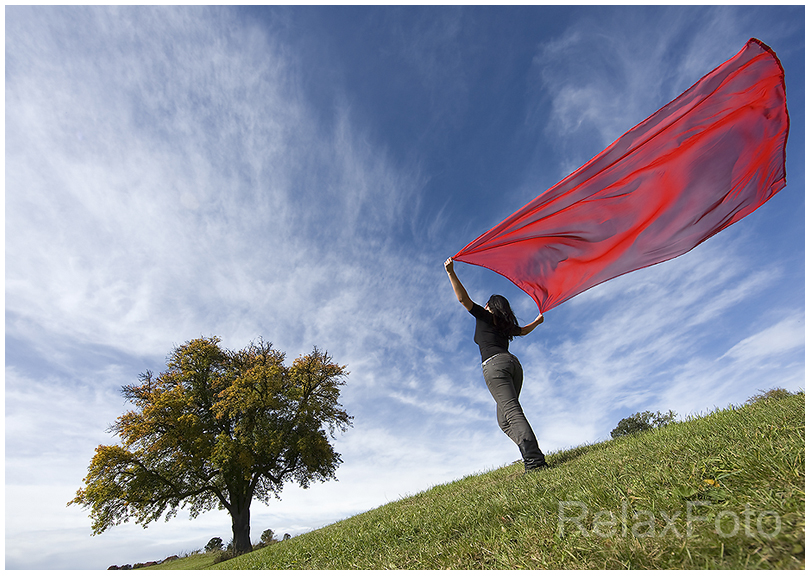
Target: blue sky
{"type": "Point", "coordinates": [301, 174]}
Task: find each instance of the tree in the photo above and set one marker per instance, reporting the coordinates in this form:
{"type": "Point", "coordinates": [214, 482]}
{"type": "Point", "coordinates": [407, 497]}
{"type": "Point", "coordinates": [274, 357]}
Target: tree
{"type": "Point", "coordinates": [267, 537]}
{"type": "Point", "coordinates": [217, 429]}
{"type": "Point", "coordinates": [642, 421]}
{"type": "Point", "coordinates": [214, 544]}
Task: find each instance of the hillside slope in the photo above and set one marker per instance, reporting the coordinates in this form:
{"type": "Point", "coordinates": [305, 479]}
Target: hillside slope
{"type": "Point", "coordinates": [726, 490]}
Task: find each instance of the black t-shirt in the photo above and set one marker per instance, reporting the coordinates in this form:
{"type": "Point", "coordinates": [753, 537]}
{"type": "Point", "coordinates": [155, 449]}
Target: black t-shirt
{"type": "Point", "coordinates": [490, 340]}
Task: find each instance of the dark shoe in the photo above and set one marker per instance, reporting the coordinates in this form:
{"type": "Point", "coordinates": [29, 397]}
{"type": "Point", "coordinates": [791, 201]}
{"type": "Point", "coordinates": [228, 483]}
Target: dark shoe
{"type": "Point", "coordinates": [532, 455]}
{"type": "Point", "coordinates": [542, 466]}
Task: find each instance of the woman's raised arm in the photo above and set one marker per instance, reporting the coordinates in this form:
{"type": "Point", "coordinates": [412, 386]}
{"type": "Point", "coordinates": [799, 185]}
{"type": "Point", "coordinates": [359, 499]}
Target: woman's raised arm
{"type": "Point", "coordinates": [458, 289]}
{"type": "Point", "coordinates": [532, 325]}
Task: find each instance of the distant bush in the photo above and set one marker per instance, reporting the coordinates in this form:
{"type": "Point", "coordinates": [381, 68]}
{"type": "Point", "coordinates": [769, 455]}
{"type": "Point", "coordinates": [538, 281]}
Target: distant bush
{"type": "Point", "coordinates": [773, 394]}
{"type": "Point", "coordinates": [267, 537]}
{"type": "Point", "coordinates": [642, 421]}
{"type": "Point", "coordinates": [214, 544]}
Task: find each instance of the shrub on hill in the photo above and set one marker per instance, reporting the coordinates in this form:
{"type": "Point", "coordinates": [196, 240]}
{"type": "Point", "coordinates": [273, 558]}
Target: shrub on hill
{"type": "Point", "coordinates": [773, 394]}
{"type": "Point", "coordinates": [642, 421]}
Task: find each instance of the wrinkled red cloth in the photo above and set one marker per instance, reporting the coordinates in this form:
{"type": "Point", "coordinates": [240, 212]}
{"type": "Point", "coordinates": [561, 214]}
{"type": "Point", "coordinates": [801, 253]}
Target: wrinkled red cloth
{"type": "Point", "coordinates": [702, 162]}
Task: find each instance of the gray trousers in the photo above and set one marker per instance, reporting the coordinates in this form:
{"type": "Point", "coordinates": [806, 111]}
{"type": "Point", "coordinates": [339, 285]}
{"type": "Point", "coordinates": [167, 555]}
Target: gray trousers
{"type": "Point", "coordinates": [504, 376]}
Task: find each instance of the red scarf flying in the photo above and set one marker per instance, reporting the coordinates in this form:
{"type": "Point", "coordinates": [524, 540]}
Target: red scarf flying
{"type": "Point", "coordinates": [702, 162]}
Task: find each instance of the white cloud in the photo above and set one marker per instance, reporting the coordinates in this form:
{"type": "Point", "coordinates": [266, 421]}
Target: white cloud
{"type": "Point", "coordinates": [786, 335]}
{"type": "Point", "coordinates": [447, 410]}
{"type": "Point", "coordinates": [59, 422]}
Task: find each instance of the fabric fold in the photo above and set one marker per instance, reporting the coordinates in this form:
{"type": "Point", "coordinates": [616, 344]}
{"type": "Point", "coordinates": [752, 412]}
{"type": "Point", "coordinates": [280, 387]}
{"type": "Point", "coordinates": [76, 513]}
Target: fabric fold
{"type": "Point", "coordinates": [697, 165]}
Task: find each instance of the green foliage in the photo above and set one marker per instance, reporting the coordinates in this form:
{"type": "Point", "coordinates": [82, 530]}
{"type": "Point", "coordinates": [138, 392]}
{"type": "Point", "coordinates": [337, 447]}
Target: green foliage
{"type": "Point", "coordinates": [196, 561]}
{"type": "Point", "coordinates": [267, 537]}
{"type": "Point", "coordinates": [217, 429]}
{"type": "Point", "coordinates": [214, 544]}
{"type": "Point", "coordinates": [773, 394]}
{"type": "Point", "coordinates": [731, 463]}
{"type": "Point", "coordinates": [642, 421]}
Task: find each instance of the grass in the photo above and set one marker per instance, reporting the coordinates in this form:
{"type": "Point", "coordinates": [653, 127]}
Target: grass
{"type": "Point", "coordinates": [724, 491]}
{"type": "Point", "coordinates": [194, 561]}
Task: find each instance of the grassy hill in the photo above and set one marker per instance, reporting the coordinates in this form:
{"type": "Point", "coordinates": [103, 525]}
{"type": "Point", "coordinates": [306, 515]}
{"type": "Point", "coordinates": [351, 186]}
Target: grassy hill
{"type": "Point", "coordinates": [726, 490]}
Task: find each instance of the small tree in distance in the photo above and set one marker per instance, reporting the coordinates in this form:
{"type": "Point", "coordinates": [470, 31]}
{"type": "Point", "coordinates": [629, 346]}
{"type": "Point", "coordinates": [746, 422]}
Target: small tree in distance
{"type": "Point", "coordinates": [267, 537]}
{"type": "Point", "coordinates": [642, 421]}
{"type": "Point", "coordinates": [214, 544]}
{"type": "Point", "coordinates": [217, 429]}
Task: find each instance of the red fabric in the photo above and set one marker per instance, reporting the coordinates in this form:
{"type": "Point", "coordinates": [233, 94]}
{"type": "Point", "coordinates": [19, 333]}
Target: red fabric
{"type": "Point", "coordinates": [704, 161]}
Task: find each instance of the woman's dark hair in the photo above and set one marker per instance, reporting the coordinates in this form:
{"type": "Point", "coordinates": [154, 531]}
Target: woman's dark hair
{"type": "Point", "coordinates": [503, 316]}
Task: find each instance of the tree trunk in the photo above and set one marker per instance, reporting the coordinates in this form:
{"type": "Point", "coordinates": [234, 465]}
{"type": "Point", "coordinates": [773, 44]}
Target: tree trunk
{"type": "Point", "coordinates": [241, 526]}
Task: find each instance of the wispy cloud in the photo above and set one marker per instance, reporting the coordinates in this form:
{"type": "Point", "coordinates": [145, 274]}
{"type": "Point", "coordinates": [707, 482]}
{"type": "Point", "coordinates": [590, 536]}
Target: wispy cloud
{"type": "Point", "coordinates": [605, 74]}
{"type": "Point", "coordinates": [193, 161]}
{"type": "Point", "coordinates": [786, 335]}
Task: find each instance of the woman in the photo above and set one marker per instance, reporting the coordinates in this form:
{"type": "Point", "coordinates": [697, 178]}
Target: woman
{"type": "Point", "coordinates": [495, 328]}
